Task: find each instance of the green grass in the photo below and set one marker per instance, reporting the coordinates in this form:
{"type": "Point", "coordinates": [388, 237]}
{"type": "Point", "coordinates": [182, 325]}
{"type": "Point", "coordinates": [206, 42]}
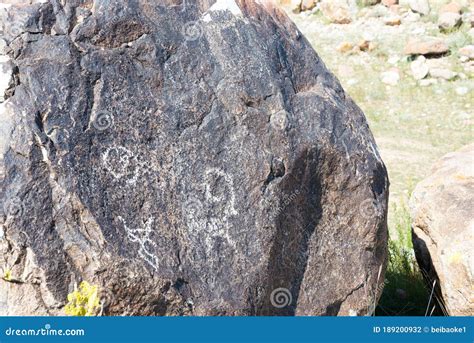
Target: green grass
{"type": "Point", "coordinates": [405, 293]}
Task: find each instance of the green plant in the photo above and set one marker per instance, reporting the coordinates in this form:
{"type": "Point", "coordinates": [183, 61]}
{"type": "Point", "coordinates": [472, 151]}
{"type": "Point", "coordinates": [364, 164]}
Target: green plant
{"type": "Point", "coordinates": [83, 301]}
{"type": "Point", "coordinates": [405, 292]}
{"type": "Point", "coordinates": [7, 275]}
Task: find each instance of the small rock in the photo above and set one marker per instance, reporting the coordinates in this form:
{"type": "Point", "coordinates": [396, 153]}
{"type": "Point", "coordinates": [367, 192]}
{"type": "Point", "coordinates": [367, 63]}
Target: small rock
{"type": "Point", "coordinates": [452, 7]}
{"type": "Point", "coordinates": [336, 11]}
{"type": "Point", "coordinates": [462, 90]}
{"type": "Point", "coordinates": [295, 5]}
{"type": "Point", "coordinates": [372, 46]}
{"type": "Point", "coordinates": [308, 5]}
{"type": "Point", "coordinates": [393, 20]}
{"type": "Point", "coordinates": [418, 31]}
{"type": "Point", "coordinates": [364, 45]}
{"type": "Point", "coordinates": [469, 68]}
{"type": "Point", "coordinates": [468, 18]}
{"type": "Point", "coordinates": [377, 11]}
{"type": "Point", "coordinates": [419, 68]}
{"type": "Point", "coordinates": [420, 6]}
{"type": "Point", "coordinates": [395, 9]}
{"type": "Point", "coordinates": [449, 20]}
{"type": "Point", "coordinates": [345, 47]}
{"type": "Point", "coordinates": [411, 17]}
{"type": "Point", "coordinates": [389, 3]}
{"type": "Point", "coordinates": [391, 77]}
{"type": "Point", "coordinates": [355, 50]}
{"type": "Point", "coordinates": [439, 63]}
{"type": "Point", "coordinates": [427, 46]}
{"type": "Point", "coordinates": [467, 51]}
{"type": "Point", "coordinates": [393, 60]}
{"type": "Point", "coordinates": [368, 2]}
{"type": "Point", "coordinates": [444, 74]}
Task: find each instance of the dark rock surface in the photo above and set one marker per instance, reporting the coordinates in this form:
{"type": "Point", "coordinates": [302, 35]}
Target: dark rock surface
{"type": "Point", "coordinates": [187, 159]}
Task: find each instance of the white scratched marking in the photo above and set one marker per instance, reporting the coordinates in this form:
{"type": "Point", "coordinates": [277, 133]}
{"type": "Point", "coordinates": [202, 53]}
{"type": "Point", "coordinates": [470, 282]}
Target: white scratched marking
{"type": "Point", "coordinates": [226, 5]}
{"type": "Point", "coordinates": [204, 223]}
{"type": "Point", "coordinates": [125, 165]}
{"type": "Point", "coordinates": [142, 236]}
{"type": "Point", "coordinates": [229, 200]}
{"type": "Point", "coordinates": [223, 5]}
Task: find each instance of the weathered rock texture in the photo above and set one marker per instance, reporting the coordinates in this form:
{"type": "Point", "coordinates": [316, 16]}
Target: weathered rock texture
{"type": "Point", "coordinates": [187, 159]}
{"type": "Point", "coordinates": [443, 230]}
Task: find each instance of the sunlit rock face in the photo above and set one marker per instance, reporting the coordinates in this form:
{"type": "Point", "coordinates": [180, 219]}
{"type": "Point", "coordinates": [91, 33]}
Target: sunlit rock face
{"type": "Point", "coordinates": [443, 227]}
{"type": "Point", "coordinates": [191, 158]}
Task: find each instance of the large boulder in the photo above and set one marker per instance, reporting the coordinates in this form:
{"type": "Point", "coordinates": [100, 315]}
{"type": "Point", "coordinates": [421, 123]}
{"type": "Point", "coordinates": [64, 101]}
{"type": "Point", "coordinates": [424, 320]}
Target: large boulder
{"type": "Point", "coordinates": [194, 158]}
{"type": "Point", "coordinates": [443, 228]}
